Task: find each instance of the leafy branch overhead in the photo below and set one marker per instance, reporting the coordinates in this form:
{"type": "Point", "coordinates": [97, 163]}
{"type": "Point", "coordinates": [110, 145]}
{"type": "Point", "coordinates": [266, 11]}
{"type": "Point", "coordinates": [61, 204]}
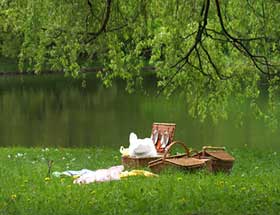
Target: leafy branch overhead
{"type": "Point", "coordinates": [261, 62]}
{"type": "Point", "coordinates": [215, 53]}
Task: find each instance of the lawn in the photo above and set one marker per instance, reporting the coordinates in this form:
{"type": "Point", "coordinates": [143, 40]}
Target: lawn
{"type": "Point", "coordinates": [253, 187]}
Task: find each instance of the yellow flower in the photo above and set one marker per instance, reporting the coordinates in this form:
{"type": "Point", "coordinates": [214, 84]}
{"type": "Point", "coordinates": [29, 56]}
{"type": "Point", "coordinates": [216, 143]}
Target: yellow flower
{"type": "Point", "coordinates": [179, 179]}
{"type": "Point", "coordinates": [183, 200]}
{"type": "Point", "coordinates": [13, 196]}
{"type": "Point", "coordinates": [47, 179]}
{"type": "Point", "coordinates": [75, 176]}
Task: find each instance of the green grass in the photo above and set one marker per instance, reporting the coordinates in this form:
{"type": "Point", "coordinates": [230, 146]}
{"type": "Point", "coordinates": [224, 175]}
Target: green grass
{"type": "Point", "coordinates": [253, 187]}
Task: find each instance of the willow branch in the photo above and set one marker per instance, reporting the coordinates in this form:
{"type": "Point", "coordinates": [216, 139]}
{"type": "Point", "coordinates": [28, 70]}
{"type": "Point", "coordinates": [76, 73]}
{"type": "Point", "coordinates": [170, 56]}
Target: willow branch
{"type": "Point", "coordinates": [104, 24]}
{"type": "Point", "coordinates": [241, 47]}
{"type": "Point", "coordinates": [185, 60]}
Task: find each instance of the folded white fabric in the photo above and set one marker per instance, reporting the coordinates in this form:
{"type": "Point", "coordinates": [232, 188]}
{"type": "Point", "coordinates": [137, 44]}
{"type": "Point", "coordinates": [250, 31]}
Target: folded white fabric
{"type": "Point", "coordinates": [72, 173]}
{"type": "Point", "coordinates": [141, 147]}
{"type": "Point", "coordinates": [100, 175]}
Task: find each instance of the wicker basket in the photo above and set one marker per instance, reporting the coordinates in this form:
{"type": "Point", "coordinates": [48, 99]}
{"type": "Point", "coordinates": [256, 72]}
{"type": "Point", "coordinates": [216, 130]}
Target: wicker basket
{"type": "Point", "coordinates": [183, 161]}
{"type": "Point", "coordinates": [134, 162]}
{"type": "Point", "coordinates": [160, 130]}
{"type": "Point", "coordinates": [219, 159]}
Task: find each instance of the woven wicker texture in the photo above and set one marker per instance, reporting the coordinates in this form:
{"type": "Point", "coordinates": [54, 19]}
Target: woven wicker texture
{"type": "Point", "coordinates": [221, 155]}
{"type": "Point", "coordinates": [187, 162]}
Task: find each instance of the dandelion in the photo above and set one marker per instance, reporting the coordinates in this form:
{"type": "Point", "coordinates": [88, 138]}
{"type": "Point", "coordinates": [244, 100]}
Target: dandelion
{"type": "Point", "coordinates": [179, 179]}
{"type": "Point", "coordinates": [47, 179]}
{"type": "Point", "coordinates": [182, 200]}
{"type": "Point", "coordinates": [75, 176]}
{"type": "Point", "coordinates": [13, 196]}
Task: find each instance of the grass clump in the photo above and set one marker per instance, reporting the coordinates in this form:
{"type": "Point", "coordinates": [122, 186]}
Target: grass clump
{"type": "Point", "coordinates": [25, 188]}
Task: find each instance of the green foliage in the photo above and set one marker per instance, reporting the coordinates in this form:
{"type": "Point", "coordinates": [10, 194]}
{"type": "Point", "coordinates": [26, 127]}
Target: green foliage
{"type": "Point", "coordinates": [71, 35]}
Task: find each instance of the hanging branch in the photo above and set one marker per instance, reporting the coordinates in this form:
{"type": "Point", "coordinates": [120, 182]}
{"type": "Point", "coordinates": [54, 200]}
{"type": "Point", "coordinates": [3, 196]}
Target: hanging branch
{"type": "Point", "coordinates": [201, 28]}
{"type": "Point", "coordinates": [200, 69]}
{"type": "Point", "coordinates": [259, 61]}
{"type": "Point", "coordinates": [240, 46]}
{"type": "Point", "coordinates": [185, 60]}
{"type": "Point", "coordinates": [104, 23]}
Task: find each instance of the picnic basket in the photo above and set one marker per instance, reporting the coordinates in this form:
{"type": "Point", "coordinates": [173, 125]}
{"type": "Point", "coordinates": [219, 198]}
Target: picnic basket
{"type": "Point", "coordinates": [219, 159]}
{"type": "Point", "coordinates": [182, 161]}
{"type": "Point", "coordinates": [162, 135]}
{"type": "Point", "coordinates": [159, 131]}
{"type": "Point", "coordinates": [135, 162]}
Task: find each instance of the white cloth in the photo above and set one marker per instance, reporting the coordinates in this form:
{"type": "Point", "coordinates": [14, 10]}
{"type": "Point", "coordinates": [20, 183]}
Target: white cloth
{"type": "Point", "coordinates": [141, 147]}
{"type": "Point", "coordinates": [100, 175]}
{"type": "Point", "coordinates": [86, 176]}
{"type": "Point", "coordinates": [72, 173]}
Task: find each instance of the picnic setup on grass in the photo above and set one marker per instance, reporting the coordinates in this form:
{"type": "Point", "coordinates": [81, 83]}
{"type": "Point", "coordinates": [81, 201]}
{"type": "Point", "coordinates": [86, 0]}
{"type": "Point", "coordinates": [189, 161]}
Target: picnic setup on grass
{"type": "Point", "coordinates": [155, 153]}
{"type": "Point", "coordinates": [150, 156]}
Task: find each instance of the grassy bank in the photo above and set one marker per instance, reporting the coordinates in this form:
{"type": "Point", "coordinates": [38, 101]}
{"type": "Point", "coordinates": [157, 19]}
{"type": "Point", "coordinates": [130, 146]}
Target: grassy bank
{"type": "Point", "coordinates": [252, 188]}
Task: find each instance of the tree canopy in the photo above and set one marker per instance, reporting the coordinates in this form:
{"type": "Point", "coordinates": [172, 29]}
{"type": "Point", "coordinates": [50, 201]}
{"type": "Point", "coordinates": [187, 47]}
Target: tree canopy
{"type": "Point", "coordinates": [215, 53]}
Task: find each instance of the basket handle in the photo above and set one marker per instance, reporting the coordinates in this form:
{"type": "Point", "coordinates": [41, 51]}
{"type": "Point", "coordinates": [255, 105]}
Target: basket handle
{"type": "Point", "coordinates": [174, 143]}
{"type": "Point", "coordinates": [204, 148]}
{"type": "Point", "coordinates": [213, 147]}
{"type": "Point", "coordinates": [195, 153]}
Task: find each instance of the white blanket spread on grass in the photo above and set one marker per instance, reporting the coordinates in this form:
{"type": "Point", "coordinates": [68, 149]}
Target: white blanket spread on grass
{"type": "Point", "coordinates": [86, 176]}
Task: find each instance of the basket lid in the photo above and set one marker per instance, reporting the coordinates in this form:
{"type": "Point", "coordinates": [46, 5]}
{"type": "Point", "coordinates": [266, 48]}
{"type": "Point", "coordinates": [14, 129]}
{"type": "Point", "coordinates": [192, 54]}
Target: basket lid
{"type": "Point", "coordinates": [221, 155]}
{"type": "Point", "coordinates": [186, 162]}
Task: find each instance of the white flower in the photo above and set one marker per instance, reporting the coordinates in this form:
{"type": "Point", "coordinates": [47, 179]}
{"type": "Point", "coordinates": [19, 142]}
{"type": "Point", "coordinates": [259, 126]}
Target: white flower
{"type": "Point", "coordinates": [18, 155]}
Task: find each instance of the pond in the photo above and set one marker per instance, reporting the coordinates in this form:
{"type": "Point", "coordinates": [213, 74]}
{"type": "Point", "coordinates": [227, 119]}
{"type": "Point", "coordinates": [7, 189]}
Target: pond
{"type": "Point", "coordinates": [55, 111]}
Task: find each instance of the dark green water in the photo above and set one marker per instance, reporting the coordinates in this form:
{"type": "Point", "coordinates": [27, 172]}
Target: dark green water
{"type": "Point", "coordinates": [54, 111]}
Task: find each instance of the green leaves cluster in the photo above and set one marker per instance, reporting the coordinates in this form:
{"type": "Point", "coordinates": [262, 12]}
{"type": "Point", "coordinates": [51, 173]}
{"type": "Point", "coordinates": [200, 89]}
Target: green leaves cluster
{"type": "Point", "coordinates": [72, 35]}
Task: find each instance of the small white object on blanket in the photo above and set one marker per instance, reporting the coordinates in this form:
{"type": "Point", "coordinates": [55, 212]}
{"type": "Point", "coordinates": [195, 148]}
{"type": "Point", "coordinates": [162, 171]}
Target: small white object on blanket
{"type": "Point", "coordinates": [141, 147]}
